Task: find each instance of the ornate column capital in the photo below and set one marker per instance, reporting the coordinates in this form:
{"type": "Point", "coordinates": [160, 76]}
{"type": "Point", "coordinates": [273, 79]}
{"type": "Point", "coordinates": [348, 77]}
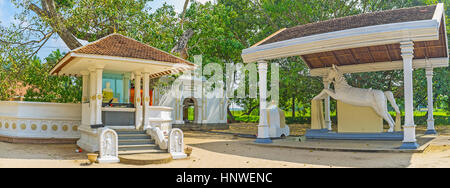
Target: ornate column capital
{"type": "Point", "coordinates": [84, 73]}
{"type": "Point", "coordinates": [429, 72]}
{"type": "Point", "coordinates": [407, 49]}
{"type": "Point", "coordinates": [262, 65]}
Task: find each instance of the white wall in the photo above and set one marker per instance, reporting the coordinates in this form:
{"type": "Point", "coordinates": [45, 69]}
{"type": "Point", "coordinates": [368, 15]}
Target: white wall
{"type": "Point", "coordinates": [39, 120]}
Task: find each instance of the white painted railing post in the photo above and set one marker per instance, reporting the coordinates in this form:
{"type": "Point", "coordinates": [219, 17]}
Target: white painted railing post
{"type": "Point", "coordinates": [409, 128]}
{"type": "Point", "coordinates": [263, 127]}
{"type": "Point", "coordinates": [430, 121]}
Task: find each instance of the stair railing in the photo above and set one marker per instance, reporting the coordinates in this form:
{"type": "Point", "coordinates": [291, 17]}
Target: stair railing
{"type": "Point", "coordinates": [160, 140]}
{"type": "Point", "coordinates": [174, 143]}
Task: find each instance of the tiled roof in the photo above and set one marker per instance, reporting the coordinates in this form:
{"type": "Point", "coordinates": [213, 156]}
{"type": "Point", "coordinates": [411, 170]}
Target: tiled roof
{"type": "Point", "coordinates": [120, 46]}
{"type": "Point", "coordinates": [357, 21]}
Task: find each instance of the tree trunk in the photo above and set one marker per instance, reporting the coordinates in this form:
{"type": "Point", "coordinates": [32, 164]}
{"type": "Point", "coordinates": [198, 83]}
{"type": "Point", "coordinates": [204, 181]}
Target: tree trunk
{"type": "Point", "coordinates": [181, 46]}
{"type": "Point", "coordinates": [251, 110]}
{"type": "Point", "coordinates": [293, 107]}
{"type": "Point", "coordinates": [231, 120]}
{"type": "Point", "coordinates": [48, 11]}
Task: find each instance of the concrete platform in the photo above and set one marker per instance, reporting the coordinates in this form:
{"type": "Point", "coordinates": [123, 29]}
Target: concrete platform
{"type": "Point", "coordinates": [349, 145]}
{"type": "Point", "coordinates": [146, 159]}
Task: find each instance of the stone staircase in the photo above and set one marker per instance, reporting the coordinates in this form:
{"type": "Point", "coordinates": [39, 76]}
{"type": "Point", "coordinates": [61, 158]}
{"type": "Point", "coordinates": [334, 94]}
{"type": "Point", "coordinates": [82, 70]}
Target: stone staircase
{"type": "Point", "coordinates": [136, 147]}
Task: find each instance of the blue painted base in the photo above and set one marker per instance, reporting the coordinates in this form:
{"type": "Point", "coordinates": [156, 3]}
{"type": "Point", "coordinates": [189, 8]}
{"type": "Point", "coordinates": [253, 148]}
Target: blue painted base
{"type": "Point", "coordinates": [409, 145]}
{"type": "Point", "coordinates": [325, 134]}
{"type": "Point", "coordinates": [430, 132]}
{"type": "Point", "coordinates": [263, 140]}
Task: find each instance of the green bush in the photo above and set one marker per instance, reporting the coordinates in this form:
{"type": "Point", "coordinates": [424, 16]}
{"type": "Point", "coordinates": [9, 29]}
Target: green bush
{"type": "Point", "coordinates": [419, 120]}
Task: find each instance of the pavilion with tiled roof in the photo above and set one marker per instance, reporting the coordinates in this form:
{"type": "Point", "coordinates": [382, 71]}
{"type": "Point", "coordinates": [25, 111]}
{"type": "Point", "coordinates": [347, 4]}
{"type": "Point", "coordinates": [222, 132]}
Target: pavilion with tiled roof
{"type": "Point", "coordinates": [108, 66]}
{"type": "Point", "coordinates": [400, 39]}
{"type": "Point", "coordinates": [118, 52]}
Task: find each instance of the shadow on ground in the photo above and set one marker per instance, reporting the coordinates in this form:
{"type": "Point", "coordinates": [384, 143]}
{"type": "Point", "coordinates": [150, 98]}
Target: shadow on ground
{"type": "Point", "coordinates": [40, 151]}
{"type": "Point", "coordinates": [302, 156]}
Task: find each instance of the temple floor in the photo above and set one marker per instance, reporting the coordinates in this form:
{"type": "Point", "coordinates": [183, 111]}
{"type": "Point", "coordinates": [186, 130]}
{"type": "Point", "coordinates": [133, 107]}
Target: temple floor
{"type": "Point", "coordinates": [212, 150]}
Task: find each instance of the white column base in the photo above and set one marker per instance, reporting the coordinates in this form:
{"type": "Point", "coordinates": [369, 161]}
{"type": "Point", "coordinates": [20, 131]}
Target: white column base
{"type": "Point", "coordinates": [430, 127]}
{"type": "Point", "coordinates": [409, 141]}
{"type": "Point", "coordinates": [263, 134]}
{"type": "Point", "coordinates": [328, 124]}
{"type": "Point", "coordinates": [88, 140]}
{"type": "Point", "coordinates": [108, 160]}
{"type": "Point", "coordinates": [178, 155]}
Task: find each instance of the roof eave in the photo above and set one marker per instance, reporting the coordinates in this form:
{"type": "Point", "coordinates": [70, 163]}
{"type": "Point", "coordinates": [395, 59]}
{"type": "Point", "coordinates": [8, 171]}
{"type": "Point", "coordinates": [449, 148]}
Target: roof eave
{"type": "Point", "coordinates": [424, 30]}
{"type": "Point", "coordinates": [432, 25]}
{"type": "Point", "coordinates": [64, 62]}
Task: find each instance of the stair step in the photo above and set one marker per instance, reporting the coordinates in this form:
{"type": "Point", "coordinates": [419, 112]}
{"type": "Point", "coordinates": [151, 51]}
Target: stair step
{"type": "Point", "coordinates": [131, 139]}
{"type": "Point", "coordinates": [135, 143]}
{"type": "Point", "coordinates": [121, 137]}
{"type": "Point", "coordinates": [137, 146]}
{"type": "Point", "coordinates": [142, 151]}
{"type": "Point", "coordinates": [148, 147]}
{"type": "Point", "coordinates": [146, 159]}
{"type": "Point", "coordinates": [131, 132]}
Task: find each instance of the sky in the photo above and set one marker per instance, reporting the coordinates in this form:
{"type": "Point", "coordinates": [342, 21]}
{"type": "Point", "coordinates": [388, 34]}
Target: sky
{"type": "Point", "coordinates": [8, 10]}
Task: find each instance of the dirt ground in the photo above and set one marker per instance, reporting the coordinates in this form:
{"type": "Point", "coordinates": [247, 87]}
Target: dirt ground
{"type": "Point", "coordinates": [300, 129]}
{"type": "Point", "coordinates": [212, 150]}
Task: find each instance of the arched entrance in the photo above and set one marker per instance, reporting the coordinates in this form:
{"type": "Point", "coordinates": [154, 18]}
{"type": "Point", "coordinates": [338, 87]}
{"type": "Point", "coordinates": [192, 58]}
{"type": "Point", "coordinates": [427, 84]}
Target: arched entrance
{"type": "Point", "coordinates": [189, 110]}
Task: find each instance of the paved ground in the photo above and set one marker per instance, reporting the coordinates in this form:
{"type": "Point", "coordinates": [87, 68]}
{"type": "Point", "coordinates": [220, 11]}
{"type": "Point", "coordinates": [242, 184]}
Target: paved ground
{"type": "Point", "coordinates": [225, 151]}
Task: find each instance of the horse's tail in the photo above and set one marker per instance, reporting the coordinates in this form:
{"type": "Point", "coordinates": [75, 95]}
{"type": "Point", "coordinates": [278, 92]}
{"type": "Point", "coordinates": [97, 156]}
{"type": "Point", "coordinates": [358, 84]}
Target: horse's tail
{"type": "Point", "coordinates": [390, 96]}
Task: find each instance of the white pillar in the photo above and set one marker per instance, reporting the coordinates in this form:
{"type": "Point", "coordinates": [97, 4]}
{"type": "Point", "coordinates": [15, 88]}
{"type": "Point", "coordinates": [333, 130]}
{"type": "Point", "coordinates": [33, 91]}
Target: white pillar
{"type": "Point", "coordinates": [126, 88]}
{"type": "Point", "coordinates": [409, 128]}
{"type": "Point", "coordinates": [430, 121]}
{"type": "Point", "coordinates": [138, 99]}
{"type": "Point", "coordinates": [263, 127]}
{"type": "Point", "coordinates": [98, 109]}
{"type": "Point", "coordinates": [146, 99]}
{"type": "Point", "coordinates": [85, 112]}
{"type": "Point", "coordinates": [93, 96]}
{"type": "Point", "coordinates": [85, 91]}
{"type": "Point", "coordinates": [326, 85]}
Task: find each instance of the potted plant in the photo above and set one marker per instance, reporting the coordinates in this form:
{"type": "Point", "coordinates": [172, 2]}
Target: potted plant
{"type": "Point", "coordinates": [92, 157]}
{"type": "Point", "coordinates": [188, 151]}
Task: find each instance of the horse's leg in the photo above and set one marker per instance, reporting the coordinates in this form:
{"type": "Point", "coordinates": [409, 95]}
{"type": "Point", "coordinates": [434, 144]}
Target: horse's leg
{"type": "Point", "coordinates": [382, 110]}
{"type": "Point", "coordinates": [321, 95]}
{"type": "Point", "coordinates": [331, 93]}
{"type": "Point", "coordinates": [324, 93]}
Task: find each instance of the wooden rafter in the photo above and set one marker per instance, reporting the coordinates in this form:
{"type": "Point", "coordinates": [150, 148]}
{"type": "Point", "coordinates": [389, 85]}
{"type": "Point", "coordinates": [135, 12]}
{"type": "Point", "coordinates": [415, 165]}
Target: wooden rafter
{"type": "Point", "coordinates": [336, 57]}
{"type": "Point", "coordinates": [387, 51]}
{"type": "Point", "coordinates": [370, 54]}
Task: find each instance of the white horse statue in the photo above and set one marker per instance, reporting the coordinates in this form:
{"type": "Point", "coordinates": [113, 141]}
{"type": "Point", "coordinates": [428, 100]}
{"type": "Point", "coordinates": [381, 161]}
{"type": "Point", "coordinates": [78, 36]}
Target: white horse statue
{"type": "Point", "coordinates": [376, 99]}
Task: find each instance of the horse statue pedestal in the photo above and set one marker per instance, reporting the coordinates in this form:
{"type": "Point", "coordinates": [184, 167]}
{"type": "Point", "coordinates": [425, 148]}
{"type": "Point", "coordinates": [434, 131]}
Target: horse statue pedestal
{"type": "Point", "coordinates": [354, 123]}
{"type": "Point", "coordinates": [357, 119]}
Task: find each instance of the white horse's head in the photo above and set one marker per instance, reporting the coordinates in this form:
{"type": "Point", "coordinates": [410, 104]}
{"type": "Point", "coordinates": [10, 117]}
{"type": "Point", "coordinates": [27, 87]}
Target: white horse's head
{"type": "Point", "coordinates": [333, 74]}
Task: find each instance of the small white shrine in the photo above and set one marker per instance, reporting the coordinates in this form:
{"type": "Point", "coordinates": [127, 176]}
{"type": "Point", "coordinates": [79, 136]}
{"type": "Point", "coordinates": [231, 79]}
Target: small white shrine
{"type": "Point", "coordinates": [402, 39]}
{"type": "Point", "coordinates": [193, 108]}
